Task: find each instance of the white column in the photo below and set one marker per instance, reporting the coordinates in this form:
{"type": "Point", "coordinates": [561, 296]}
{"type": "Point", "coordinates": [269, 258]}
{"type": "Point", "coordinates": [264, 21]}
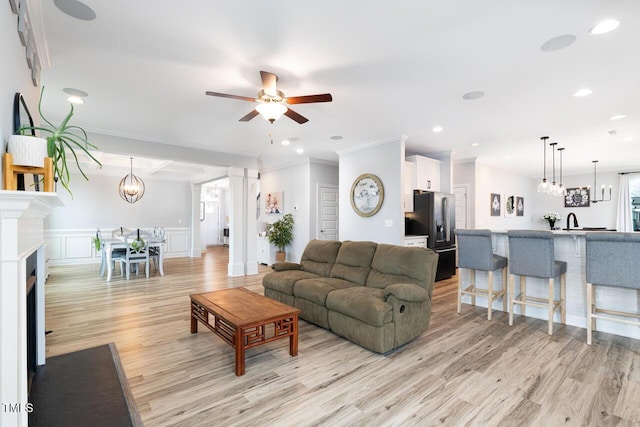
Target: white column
{"type": "Point", "coordinates": [237, 229]}
{"type": "Point", "coordinates": [196, 244]}
{"type": "Point", "coordinates": [252, 223]}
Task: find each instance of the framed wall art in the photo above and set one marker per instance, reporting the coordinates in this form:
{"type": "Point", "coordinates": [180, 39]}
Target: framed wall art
{"type": "Point", "coordinates": [509, 206]}
{"type": "Point", "coordinates": [519, 206]}
{"type": "Point", "coordinates": [495, 204]}
{"type": "Point", "coordinates": [577, 198]}
{"type": "Point", "coordinates": [274, 203]}
{"type": "Point", "coordinates": [367, 195]}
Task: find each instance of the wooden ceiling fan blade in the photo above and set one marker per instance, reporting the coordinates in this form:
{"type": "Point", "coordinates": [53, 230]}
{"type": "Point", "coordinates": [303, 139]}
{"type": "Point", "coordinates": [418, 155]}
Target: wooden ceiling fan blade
{"type": "Point", "coordinates": [307, 99]}
{"type": "Point", "coordinates": [269, 82]}
{"type": "Point", "coordinates": [295, 116]}
{"type": "Point", "coordinates": [226, 95]}
{"type": "Point", "coordinates": [249, 116]}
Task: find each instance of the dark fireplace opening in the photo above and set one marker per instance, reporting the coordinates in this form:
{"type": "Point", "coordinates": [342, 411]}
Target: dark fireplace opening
{"type": "Point", "coordinates": [32, 266]}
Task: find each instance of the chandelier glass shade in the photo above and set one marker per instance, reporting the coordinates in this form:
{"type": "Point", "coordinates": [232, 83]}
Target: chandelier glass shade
{"type": "Point", "coordinates": [131, 187]}
{"type": "Point", "coordinates": [543, 187]}
{"type": "Point", "coordinates": [271, 111]}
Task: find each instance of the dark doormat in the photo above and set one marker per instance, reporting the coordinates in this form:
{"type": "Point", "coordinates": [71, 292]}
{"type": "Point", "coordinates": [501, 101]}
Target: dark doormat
{"type": "Point", "coordinates": [83, 388]}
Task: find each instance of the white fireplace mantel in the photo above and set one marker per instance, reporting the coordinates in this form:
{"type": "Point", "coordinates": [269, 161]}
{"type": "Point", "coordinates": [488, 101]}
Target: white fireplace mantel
{"type": "Point", "coordinates": [22, 215]}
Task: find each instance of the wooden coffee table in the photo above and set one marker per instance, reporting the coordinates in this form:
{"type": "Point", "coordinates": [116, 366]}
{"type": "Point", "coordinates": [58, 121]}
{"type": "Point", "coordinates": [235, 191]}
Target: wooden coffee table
{"type": "Point", "coordinates": [245, 319]}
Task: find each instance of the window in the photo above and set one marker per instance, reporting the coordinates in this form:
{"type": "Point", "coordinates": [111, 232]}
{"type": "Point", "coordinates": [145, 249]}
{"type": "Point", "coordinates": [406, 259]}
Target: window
{"type": "Point", "coordinates": [634, 192]}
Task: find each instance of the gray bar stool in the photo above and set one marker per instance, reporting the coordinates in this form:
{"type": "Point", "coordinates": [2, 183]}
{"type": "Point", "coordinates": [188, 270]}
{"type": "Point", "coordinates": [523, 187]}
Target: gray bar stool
{"type": "Point", "coordinates": [475, 252]}
{"type": "Point", "coordinates": [612, 260]}
{"type": "Point", "coordinates": [531, 254]}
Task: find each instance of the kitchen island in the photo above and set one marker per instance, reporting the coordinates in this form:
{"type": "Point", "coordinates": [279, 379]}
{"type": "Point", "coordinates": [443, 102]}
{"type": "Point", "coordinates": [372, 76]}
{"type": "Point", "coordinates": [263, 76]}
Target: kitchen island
{"type": "Point", "coordinates": [569, 247]}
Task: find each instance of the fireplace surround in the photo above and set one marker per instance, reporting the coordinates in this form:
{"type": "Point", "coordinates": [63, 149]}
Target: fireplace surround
{"type": "Point", "coordinates": [22, 215]}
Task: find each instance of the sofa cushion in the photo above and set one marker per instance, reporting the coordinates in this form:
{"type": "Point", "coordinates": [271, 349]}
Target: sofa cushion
{"type": "Point", "coordinates": [283, 281]}
{"type": "Point", "coordinates": [317, 289]}
{"type": "Point", "coordinates": [397, 264]}
{"type": "Point", "coordinates": [353, 262]}
{"type": "Point", "coordinates": [319, 256]}
{"type": "Point", "coordinates": [362, 303]}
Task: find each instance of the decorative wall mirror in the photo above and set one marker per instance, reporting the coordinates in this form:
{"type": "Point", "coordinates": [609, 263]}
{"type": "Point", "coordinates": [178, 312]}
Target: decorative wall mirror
{"type": "Point", "coordinates": [367, 195]}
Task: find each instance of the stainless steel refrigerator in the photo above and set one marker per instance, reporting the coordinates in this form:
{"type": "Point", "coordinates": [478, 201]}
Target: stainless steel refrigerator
{"type": "Point", "coordinates": [434, 215]}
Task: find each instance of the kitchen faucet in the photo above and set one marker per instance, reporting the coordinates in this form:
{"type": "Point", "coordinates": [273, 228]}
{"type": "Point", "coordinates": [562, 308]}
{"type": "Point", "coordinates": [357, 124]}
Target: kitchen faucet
{"type": "Point", "coordinates": [575, 221]}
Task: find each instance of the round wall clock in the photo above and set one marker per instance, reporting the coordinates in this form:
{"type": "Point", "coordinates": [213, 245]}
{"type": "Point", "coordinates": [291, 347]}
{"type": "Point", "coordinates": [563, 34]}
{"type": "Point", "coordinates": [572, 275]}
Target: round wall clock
{"type": "Point", "coordinates": [367, 195]}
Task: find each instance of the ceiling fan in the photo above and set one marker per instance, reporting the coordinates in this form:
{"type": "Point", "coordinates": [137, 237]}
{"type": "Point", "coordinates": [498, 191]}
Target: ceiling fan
{"type": "Point", "coordinates": [272, 103]}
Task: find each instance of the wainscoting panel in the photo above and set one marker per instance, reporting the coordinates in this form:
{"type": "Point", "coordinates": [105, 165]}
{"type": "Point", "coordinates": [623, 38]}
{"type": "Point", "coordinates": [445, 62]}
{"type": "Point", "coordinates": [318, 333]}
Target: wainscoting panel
{"type": "Point", "coordinates": [68, 247]}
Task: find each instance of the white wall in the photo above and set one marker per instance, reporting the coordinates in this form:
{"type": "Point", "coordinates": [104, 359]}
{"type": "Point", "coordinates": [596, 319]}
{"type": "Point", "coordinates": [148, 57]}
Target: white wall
{"type": "Point", "coordinates": [385, 159]}
{"type": "Point", "coordinates": [96, 203]}
{"type": "Point", "coordinates": [16, 76]}
{"type": "Point", "coordinates": [294, 182]}
{"type": "Point", "coordinates": [597, 215]}
{"type": "Point", "coordinates": [491, 180]}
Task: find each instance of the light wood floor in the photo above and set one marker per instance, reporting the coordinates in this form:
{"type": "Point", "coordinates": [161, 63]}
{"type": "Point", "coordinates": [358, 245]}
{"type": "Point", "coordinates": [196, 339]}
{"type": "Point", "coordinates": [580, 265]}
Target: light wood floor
{"type": "Point", "coordinates": [464, 370]}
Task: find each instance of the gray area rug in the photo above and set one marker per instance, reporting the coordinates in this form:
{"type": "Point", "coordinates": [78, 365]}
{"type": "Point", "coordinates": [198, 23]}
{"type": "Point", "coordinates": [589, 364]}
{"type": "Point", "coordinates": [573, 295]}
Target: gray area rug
{"type": "Point", "coordinates": [83, 388]}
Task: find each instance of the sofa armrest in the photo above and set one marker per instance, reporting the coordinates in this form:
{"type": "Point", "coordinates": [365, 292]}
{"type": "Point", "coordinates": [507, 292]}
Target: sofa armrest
{"type": "Point", "coordinates": [406, 292]}
{"type": "Point", "coordinates": [284, 266]}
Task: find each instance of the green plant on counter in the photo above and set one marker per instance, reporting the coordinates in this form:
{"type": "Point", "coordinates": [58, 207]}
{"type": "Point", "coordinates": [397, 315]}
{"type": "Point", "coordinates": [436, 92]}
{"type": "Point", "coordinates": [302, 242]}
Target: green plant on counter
{"type": "Point", "coordinates": [280, 233]}
{"type": "Point", "coordinates": [62, 141]}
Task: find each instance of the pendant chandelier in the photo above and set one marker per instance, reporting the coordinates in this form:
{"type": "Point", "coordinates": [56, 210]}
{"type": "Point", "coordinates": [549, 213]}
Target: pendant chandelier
{"type": "Point", "coordinates": [561, 190]}
{"type": "Point", "coordinates": [131, 187]}
{"type": "Point", "coordinates": [594, 199]}
{"type": "Point", "coordinates": [543, 187]}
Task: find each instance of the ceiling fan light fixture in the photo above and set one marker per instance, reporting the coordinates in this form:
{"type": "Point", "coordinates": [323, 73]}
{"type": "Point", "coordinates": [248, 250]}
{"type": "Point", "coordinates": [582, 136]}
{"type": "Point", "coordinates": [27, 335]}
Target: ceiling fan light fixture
{"type": "Point", "coordinates": [271, 111]}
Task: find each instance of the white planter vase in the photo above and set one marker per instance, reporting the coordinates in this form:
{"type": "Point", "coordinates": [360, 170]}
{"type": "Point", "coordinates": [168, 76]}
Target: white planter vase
{"type": "Point", "coordinates": [28, 150]}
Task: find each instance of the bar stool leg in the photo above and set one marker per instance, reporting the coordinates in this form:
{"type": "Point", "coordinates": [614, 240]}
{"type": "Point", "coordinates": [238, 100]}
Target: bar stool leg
{"type": "Point", "coordinates": [512, 280]}
{"type": "Point", "coordinates": [589, 312]}
{"type": "Point", "coordinates": [551, 305]}
{"type": "Point", "coordinates": [473, 287]}
{"type": "Point", "coordinates": [523, 295]}
{"type": "Point", "coordinates": [504, 289]}
{"type": "Point", "coordinates": [490, 295]}
{"type": "Point", "coordinates": [563, 297]}
{"type": "Point", "coordinates": [459, 290]}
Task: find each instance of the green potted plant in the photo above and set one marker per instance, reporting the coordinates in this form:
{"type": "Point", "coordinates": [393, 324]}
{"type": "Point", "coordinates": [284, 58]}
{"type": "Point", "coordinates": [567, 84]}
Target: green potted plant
{"type": "Point", "coordinates": [62, 142]}
{"type": "Point", "coordinates": [280, 234]}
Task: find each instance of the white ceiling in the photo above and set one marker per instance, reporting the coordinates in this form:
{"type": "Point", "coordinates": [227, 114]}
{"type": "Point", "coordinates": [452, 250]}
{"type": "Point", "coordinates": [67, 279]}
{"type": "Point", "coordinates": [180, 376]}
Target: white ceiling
{"type": "Point", "coordinates": [393, 68]}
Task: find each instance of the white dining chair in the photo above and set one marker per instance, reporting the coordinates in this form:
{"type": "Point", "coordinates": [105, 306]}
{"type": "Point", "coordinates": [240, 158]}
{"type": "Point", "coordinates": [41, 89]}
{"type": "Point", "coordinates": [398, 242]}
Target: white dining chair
{"type": "Point", "coordinates": [136, 252]}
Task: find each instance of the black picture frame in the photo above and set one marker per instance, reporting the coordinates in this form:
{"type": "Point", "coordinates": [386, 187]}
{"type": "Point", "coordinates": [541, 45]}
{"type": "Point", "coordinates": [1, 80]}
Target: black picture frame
{"type": "Point", "coordinates": [577, 197]}
{"type": "Point", "coordinates": [495, 204]}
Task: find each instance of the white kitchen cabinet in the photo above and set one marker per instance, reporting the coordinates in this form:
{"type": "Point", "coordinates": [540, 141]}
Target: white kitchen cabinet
{"type": "Point", "coordinates": [427, 173]}
{"type": "Point", "coordinates": [408, 185]}
{"type": "Point", "coordinates": [415, 241]}
{"type": "Point", "coordinates": [266, 251]}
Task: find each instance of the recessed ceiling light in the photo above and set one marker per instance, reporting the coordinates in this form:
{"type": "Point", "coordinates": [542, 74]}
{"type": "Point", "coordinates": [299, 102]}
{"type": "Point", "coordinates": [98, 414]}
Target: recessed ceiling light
{"type": "Point", "coordinates": [629, 139]}
{"type": "Point", "coordinates": [336, 137]}
{"type": "Point", "coordinates": [285, 142]}
{"type": "Point", "coordinates": [474, 144]}
{"type": "Point", "coordinates": [76, 9]}
{"type": "Point", "coordinates": [583, 92]}
{"type": "Point", "coordinates": [299, 150]}
{"type": "Point", "coordinates": [507, 157]}
{"type": "Point", "coordinates": [618, 117]}
{"type": "Point", "coordinates": [558, 43]}
{"type": "Point", "coordinates": [75, 100]}
{"type": "Point", "coordinates": [437, 129]}
{"type": "Point", "coordinates": [473, 95]}
{"type": "Point", "coordinates": [605, 26]}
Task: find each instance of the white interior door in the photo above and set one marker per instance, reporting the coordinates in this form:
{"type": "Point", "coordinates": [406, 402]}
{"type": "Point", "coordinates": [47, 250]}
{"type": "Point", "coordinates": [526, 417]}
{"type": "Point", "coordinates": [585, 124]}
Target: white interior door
{"type": "Point", "coordinates": [461, 206]}
{"type": "Point", "coordinates": [327, 227]}
{"type": "Point", "coordinates": [211, 224]}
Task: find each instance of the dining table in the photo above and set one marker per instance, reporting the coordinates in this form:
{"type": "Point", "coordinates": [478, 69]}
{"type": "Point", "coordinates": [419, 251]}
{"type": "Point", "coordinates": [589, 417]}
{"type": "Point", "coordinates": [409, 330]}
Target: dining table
{"type": "Point", "coordinates": [111, 243]}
